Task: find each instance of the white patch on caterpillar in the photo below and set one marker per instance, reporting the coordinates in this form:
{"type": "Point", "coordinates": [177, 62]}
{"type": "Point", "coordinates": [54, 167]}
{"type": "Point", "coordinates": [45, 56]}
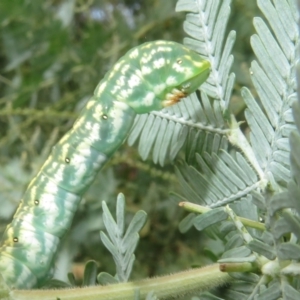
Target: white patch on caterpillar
{"type": "Point", "coordinates": [121, 81]}
{"type": "Point", "coordinates": [93, 129]}
{"type": "Point", "coordinates": [84, 149]}
{"type": "Point", "coordinates": [117, 113]}
{"type": "Point", "coordinates": [125, 69]}
{"type": "Point", "coordinates": [149, 98]}
{"type": "Point", "coordinates": [146, 58]}
{"type": "Point", "coordinates": [53, 168]}
{"type": "Point", "coordinates": [43, 244]}
{"type": "Point", "coordinates": [58, 172]}
{"type": "Point", "coordinates": [47, 202]}
{"type": "Point", "coordinates": [82, 169]}
{"type": "Point", "coordinates": [121, 105]}
{"type": "Point", "coordinates": [134, 53]}
{"type": "Point", "coordinates": [188, 72]}
{"type": "Point", "coordinates": [117, 66]}
{"type": "Point", "coordinates": [111, 75]}
{"type": "Point", "coordinates": [164, 49]}
{"type": "Point", "coordinates": [50, 187]}
{"type": "Point", "coordinates": [98, 110]}
{"type": "Point", "coordinates": [159, 63]}
{"type": "Point", "coordinates": [64, 152]}
{"type": "Point", "coordinates": [171, 80]}
{"type": "Point", "coordinates": [125, 93]}
{"type": "Point", "coordinates": [178, 68]}
{"type": "Point", "coordinates": [49, 197]}
{"type": "Point", "coordinates": [99, 161]}
{"type": "Point", "coordinates": [134, 81]}
{"type": "Point", "coordinates": [159, 88]}
{"type": "Point", "coordinates": [90, 104]}
{"type": "Point", "coordinates": [80, 172]}
{"type": "Point", "coordinates": [79, 122]}
{"type": "Point", "coordinates": [138, 73]}
{"type": "Point", "coordinates": [115, 89]}
{"type": "Point", "coordinates": [146, 46]}
{"type": "Point", "coordinates": [27, 218]}
{"type": "Point", "coordinates": [200, 64]}
{"type": "Point", "coordinates": [146, 70]}
{"type": "Point", "coordinates": [160, 42]}
{"type": "Point", "coordinates": [101, 88]}
{"type": "Point", "coordinates": [153, 51]}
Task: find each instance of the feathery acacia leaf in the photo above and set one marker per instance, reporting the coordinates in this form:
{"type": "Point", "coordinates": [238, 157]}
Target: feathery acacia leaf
{"type": "Point", "coordinates": [218, 179]}
{"type": "Point", "coordinates": [274, 79]}
{"type": "Point", "coordinates": [270, 120]}
{"type": "Point", "coordinates": [120, 243]}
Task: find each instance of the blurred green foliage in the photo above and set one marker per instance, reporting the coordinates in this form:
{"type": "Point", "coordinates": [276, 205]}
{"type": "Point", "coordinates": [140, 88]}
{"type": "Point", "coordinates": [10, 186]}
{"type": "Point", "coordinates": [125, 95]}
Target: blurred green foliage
{"type": "Point", "coordinates": [52, 55]}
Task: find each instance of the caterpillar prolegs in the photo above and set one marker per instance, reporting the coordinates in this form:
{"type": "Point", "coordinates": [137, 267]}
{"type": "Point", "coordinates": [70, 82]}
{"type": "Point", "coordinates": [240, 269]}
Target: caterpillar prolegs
{"type": "Point", "coordinates": [149, 77]}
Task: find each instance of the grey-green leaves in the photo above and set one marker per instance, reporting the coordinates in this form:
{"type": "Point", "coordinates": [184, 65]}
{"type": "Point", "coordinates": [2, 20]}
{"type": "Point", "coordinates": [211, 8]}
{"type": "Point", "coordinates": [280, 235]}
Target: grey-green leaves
{"type": "Point", "coordinates": [119, 242]}
{"type": "Point", "coordinates": [256, 173]}
{"type": "Point", "coordinates": [273, 75]}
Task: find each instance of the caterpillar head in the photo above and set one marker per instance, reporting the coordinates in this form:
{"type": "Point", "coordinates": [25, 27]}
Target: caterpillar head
{"type": "Point", "coordinates": [155, 75]}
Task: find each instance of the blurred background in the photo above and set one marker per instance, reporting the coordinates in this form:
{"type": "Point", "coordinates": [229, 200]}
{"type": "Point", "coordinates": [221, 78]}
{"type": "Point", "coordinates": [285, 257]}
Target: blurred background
{"type": "Point", "coordinates": [53, 53]}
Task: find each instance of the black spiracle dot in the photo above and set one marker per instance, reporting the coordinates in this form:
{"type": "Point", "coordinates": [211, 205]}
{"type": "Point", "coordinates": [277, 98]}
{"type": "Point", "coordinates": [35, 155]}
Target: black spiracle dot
{"type": "Point", "coordinates": [104, 117]}
{"type": "Point", "coordinates": [15, 239]}
{"type": "Point", "coordinates": [67, 160]}
{"type": "Point", "coordinates": [36, 202]}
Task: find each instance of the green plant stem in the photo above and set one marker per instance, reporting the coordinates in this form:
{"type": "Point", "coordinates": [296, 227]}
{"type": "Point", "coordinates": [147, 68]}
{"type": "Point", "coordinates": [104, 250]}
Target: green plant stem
{"type": "Point", "coordinates": [237, 138]}
{"type": "Point", "coordinates": [165, 287]}
{"type": "Point", "coordinates": [192, 207]}
{"type": "Point", "coordinates": [237, 267]}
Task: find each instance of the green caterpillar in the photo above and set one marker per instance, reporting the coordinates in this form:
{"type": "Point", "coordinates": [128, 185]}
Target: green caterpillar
{"type": "Point", "coordinates": [149, 77]}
